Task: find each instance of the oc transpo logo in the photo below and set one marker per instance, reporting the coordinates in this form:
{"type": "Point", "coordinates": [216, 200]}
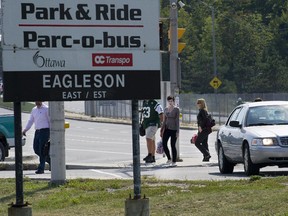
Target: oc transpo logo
{"type": "Point", "coordinates": [41, 61]}
{"type": "Point", "coordinates": [112, 60]}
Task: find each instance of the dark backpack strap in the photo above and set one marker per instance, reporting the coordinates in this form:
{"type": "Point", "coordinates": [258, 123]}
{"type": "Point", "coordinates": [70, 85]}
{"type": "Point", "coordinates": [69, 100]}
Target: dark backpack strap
{"type": "Point", "coordinates": [141, 116]}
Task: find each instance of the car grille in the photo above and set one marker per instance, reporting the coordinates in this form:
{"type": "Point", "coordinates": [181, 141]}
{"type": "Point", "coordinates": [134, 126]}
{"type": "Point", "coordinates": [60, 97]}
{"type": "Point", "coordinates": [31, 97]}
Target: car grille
{"type": "Point", "coordinates": [284, 141]}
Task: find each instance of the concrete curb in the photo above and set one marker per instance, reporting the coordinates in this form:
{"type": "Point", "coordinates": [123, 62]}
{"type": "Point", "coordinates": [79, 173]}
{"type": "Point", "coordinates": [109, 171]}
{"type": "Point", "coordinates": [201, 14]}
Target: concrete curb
{"type": "Point", "coordinates": [82, 117]}
{"type": "Point", "coordinates": [33, 164]}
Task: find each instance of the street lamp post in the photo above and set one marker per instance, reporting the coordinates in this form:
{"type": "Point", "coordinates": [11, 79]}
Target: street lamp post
{"type": "Point", "coordinates": [214, 55]}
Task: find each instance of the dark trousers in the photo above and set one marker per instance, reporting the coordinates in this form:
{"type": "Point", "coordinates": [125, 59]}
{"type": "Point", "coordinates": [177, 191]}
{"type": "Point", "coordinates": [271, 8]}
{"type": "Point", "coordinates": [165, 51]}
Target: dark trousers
{"type": "Point", "coordinates": [41, 137]}
{"type": "Point", "coordinates": [167, 134]}
{"type": "Point", "coordinates": [202, 142]}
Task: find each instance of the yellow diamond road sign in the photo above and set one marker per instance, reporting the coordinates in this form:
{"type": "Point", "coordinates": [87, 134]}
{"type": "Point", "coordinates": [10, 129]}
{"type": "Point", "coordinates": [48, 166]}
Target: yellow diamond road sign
{"type": "Point", "coordinates": [215, 82]}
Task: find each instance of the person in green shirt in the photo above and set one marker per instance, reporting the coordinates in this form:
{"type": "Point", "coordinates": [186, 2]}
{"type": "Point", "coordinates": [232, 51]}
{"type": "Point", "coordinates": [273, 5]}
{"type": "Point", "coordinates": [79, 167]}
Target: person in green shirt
{"type": "Point", "coordinates": [152, 113]}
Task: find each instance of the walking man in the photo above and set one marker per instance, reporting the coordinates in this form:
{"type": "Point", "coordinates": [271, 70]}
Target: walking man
{"type": "Point", "coordinates": [152, 120]}
{"type": "Point", "coordinates": [40, 117]}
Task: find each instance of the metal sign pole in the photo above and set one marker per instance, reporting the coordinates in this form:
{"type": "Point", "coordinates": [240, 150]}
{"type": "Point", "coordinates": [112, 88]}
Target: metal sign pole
{"type": "Point", "coordinates": [136, 150]}
{"type": "Point", "coordinates": [19, 208]}
{"type": "Point", "coordinates": [136, 206]}
{"type": "Point", "coordinates": [18, 154]}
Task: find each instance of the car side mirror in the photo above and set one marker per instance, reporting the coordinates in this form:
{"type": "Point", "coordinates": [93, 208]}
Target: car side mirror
{"type": "Point", "coordinates": [234, 124]}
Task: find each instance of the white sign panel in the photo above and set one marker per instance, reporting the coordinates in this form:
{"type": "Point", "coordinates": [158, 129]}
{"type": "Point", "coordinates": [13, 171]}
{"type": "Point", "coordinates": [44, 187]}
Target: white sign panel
{"type": "Point", "coordinates": [50, 39]}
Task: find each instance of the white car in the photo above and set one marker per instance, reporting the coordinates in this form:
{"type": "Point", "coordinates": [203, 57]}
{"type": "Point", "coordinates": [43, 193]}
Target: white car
{"type": "Point", "coordinates": [255, 134]}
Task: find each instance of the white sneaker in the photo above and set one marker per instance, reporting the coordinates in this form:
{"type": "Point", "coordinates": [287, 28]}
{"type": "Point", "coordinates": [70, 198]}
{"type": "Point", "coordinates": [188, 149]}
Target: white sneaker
{"type": "Point", "coordinates": [174, 164]}
{"type": "Point", "coordinates": [168, 162]}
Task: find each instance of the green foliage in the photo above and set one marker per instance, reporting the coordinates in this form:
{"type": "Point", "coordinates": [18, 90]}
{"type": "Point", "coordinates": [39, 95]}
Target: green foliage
{"type": "Point", "coordinates": [251, 45]}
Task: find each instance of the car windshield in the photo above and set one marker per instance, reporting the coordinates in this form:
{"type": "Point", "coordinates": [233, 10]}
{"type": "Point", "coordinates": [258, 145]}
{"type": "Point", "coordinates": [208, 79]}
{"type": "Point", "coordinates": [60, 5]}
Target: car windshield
{"type": "Point", "coordinates": [267, 115]}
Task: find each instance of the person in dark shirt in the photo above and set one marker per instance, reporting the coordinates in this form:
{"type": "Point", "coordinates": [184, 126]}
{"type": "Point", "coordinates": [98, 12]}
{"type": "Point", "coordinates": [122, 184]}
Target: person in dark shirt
{"type": "Point", "coordinates": [203, 131]}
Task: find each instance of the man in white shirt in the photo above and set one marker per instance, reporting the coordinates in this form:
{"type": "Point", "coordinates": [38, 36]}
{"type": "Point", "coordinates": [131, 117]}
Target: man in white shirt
{"type": "Point", "coordinates": [40, 117]}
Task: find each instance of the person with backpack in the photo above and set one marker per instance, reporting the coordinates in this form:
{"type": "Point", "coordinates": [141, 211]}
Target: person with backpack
{"type": "Point", "coordinates": [204, 129]}
{"type": "Point", "coordinates": [152, 113]}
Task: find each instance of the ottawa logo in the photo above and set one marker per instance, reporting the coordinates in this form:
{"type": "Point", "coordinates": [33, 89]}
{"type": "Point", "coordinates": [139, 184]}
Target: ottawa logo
{"type": "Point", "coordinates": [112, 60]}
{"type": "Point", "coordinates": [41, 61]}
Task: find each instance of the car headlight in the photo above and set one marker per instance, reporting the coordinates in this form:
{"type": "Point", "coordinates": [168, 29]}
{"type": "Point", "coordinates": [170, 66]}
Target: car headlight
{"type": "Point", "coordinates": [264, 141]}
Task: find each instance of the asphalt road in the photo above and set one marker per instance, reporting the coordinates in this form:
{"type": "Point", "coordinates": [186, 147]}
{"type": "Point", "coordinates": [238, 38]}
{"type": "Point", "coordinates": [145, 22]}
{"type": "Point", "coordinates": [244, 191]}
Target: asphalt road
{"type": "Point", "coordinates": [110, 144]}
{"type": "Point", "coordinates": [102, 150]}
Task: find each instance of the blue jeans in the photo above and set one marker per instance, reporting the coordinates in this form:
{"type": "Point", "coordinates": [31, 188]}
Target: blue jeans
{"type": "Point", "coordinates": [40, 139]}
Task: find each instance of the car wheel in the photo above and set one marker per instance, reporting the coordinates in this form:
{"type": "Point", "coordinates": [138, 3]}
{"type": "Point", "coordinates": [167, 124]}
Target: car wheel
{"type": "Point", "coordinates": [2, 152]}
{"type": "Point", "coordinates": [225, 166]}
{"type": "Point", "coordinates": [249, 167]}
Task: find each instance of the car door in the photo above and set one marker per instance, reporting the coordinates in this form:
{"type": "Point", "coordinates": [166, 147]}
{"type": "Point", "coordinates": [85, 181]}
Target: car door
{"type": "Point", "coordinates": [225, 132]}
{"type": "Point", "coordinates": [236, 136]}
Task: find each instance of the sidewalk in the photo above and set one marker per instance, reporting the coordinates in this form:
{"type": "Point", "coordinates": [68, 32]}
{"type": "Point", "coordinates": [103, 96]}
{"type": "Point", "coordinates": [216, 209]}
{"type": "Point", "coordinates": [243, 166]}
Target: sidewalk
{"type": "Point", "coordinates": [120, 170]}
{"type": "Point", "coordinates": [30, 162]}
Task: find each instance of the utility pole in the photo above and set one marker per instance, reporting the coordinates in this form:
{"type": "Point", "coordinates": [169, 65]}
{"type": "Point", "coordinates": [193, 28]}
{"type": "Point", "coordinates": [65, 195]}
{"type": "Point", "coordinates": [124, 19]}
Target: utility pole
{"type": "Point", "coordinates": [174, 47]}
{"type": "Point", "coordinates": [174, 58]}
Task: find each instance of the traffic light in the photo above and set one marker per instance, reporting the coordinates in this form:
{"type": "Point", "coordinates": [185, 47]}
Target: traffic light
{"type": "Point", "coordinates": [181, 45]}
{"type": "Point", "coordinates": [180, 32]}
{"type": "Point", "coordinates": [161, 38]}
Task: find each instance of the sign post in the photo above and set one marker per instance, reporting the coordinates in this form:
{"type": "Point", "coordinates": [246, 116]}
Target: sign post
{"type": "Point", "coordinates": [215, 83]}
{"type": "Point", "coordinates": [19, 208]}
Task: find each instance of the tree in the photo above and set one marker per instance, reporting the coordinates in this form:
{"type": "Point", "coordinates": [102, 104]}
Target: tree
{"type": "Point", "coordinates": [251, 44]}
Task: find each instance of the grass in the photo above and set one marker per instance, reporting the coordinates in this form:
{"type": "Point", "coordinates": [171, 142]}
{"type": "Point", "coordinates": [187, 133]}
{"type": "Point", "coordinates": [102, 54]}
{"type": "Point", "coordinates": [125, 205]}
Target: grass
{"type": "Point", "coordinates": [25, 106]}
{"type": "Point", "coordinates": [257, 196]}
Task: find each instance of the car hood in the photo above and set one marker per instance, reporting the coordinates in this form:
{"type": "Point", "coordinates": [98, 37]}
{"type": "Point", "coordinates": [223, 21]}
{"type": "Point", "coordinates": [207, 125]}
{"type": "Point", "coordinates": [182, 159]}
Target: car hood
{"type": "Point", "coordinates": [269, 131]}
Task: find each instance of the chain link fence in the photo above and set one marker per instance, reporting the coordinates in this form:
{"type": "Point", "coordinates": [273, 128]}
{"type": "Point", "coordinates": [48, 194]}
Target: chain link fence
{"type": "Point", "coordinates": [219, 105]}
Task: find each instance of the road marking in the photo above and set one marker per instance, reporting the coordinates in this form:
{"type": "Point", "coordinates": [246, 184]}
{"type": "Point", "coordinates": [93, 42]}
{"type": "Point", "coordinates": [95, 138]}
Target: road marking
{"type": "Point", "coordinates": [106, 173]}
